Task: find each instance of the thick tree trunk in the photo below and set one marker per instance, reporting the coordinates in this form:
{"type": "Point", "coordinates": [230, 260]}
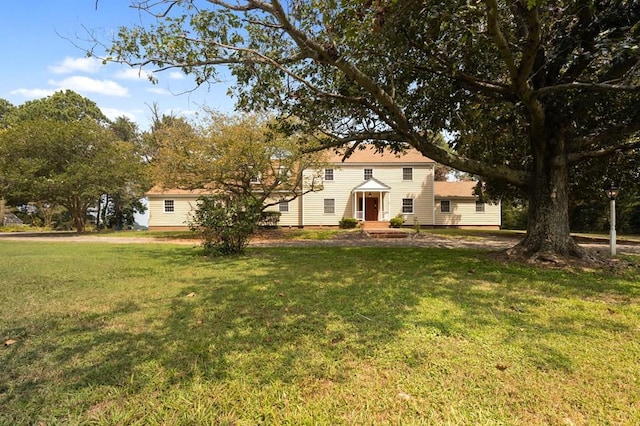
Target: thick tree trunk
{"type": "Point", "coordinates": [548, 234]}
{"type": "Point", "coordinates": [78, 213]}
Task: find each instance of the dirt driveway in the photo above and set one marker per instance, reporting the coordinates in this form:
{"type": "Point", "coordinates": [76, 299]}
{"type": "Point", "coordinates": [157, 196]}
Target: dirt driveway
{"type": "Point", "coordinates": [354, 239]}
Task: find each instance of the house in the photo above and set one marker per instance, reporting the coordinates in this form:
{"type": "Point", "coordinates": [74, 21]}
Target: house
{"type": "Point", "coordinates": [368, 186]}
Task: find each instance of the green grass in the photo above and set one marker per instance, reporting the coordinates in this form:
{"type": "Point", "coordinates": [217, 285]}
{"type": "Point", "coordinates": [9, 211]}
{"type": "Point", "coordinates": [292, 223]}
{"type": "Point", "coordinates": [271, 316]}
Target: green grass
{"type": "Point", "coordinates": [157, 334]}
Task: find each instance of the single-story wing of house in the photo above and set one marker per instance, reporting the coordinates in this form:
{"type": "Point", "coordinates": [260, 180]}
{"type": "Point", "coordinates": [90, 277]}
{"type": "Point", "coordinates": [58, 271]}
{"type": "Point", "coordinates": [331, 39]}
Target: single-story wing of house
{"type": "Point", "coordinates": [368, 186]}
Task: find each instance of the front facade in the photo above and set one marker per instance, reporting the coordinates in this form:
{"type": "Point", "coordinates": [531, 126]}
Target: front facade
{"type": "Point", "coordinates": [368, 186]}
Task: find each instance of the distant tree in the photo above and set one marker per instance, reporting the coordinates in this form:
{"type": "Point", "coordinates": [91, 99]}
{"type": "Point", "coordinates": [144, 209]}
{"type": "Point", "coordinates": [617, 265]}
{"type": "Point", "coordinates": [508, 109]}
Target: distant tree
{"type": "Point", "coordinates": [59, 151]}
{"type": "Point", "coordinates": [239, 155]}
{"type": "Point", "coordinates": [119, 207]}
{"type": "Point", "coordinates": [6, 108]}
{"type": "Point", "coordinates": [64, 163]}
{"type": "Point", "coordinates": [66, 106]}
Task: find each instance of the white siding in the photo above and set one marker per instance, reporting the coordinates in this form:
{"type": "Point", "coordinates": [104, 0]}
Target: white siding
{"type": "Point", "coordinates": [463, 213]}
{"type": "Point", "coordinates": [183, 208]}
{"type": "Point", "coordinates": [290, 218]}
{"type": "Point", "coordinates": [349, 176]}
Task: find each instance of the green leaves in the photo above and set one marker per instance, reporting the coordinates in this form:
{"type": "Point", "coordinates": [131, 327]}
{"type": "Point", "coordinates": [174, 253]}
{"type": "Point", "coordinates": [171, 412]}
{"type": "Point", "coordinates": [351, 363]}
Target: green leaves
{"type": "Point", "coordinates": [57, 150]}
{"type": "Point", "coordinates": [226, 222]}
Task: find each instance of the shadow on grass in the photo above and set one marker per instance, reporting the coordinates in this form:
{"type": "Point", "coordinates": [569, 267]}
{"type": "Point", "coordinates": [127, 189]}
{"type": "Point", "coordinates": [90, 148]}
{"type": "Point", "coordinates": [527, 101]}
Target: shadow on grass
{"type": "Point", "coordinates": [287, 314]}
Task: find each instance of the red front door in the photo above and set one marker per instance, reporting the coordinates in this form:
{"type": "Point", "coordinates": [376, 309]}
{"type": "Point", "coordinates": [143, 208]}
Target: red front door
{"type": "Point", "coordinates": [371, 208]}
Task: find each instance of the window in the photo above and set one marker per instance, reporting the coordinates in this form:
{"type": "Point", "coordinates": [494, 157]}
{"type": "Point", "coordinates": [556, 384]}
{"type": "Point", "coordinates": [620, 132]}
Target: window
{"type": "Point", "coordinates": [368, 174]}
{"type": "Point", "coordinates": [254, 179]}
{"type": "Point", "coordinates": [169, 206]}
{"type": "Point", "coordinates": [329, 205]}
{"type": "Point", "coordinates": [407, 173]}
{"type": "Point", "coordinates": [479, 207]}
{"type": "Point", "coordinates": [283, 206]}
{"type": "Point", "coordinates": [445, 206]}
{"type": "Point", "coordinates": [407, 205]}
{"type": "Point", "coordinates": [284, 172]}
{"type": "Point", "coordinates": [328, 174]}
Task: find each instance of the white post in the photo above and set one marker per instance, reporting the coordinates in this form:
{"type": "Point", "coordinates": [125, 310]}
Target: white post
{"type": "Point", "coordinates": [612, 230]}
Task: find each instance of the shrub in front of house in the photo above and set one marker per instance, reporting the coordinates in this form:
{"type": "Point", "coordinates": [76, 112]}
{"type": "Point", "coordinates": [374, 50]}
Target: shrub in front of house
{"type": "Point", "coordinates": [226, 222]}
{"type": "Point", "coordinates": [270, 219]}
{"type": "Point", "coordinates": [348, 223]}
{"type": "Point", "coordinates": [396, 222]}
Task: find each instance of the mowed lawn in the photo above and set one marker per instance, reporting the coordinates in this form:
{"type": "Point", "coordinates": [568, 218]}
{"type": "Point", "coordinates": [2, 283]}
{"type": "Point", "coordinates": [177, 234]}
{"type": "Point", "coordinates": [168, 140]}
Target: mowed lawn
{"type": "Point", "coordinates": [158, 334]}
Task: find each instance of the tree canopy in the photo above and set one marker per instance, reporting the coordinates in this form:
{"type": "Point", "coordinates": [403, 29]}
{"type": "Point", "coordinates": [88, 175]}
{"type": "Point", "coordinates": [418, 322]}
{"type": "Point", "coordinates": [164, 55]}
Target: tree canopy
{"type": "Point", "coordinates": [239, 154]}
{"type": "Point", "coordinates": [65, 157]}
{"type": "Point", "coordinates": [526, 89]}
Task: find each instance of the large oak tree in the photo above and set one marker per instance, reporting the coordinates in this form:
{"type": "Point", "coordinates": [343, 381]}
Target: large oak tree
{"type": "Point", "coordinates": [526, 89]}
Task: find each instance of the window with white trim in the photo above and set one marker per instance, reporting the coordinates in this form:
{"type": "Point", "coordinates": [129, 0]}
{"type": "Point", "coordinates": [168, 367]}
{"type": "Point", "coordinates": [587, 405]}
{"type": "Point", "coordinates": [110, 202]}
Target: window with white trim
{"type": "Point", "coordinates": [328, 174]}
{"type": "Point", "coordinates": [407, 205]}
{"type": "Point", "coordinates": [283, 206]}
{"type": "Point", "coordinates": [445, 206]}
{"type": "Point", "coordinates": [407, 173]}
{"type": "Point", "coordinates": [368, 174]}
{"type": "Point", "coordinates": [169, 206]}
{"type": "Point", "coordinates": [479, 207]}
{"type": "Point", "coordinates": [329, 206]}
{"type": "Point", "coordinates": [284, 172]}
{"type": "Point", "coordinates": [254, 179]}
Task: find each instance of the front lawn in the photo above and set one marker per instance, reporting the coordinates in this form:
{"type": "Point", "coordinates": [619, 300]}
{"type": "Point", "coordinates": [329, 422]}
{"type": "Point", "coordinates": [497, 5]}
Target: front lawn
{"type": "Point", "coordinates": [157, 334]}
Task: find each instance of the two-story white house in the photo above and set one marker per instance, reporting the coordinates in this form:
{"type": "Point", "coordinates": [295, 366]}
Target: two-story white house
{"type": "Point", "coordinates": [368, 186]}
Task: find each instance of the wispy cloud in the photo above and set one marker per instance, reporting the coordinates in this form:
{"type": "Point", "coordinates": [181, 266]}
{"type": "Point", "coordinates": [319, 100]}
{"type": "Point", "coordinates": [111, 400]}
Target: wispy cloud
{"type": "Point", "coordinates": [132, 74]}
{"type": "Point", "coordinates": [70, 65]}
{"type": "Point", "coordinates": [175, 75]}
{"type": "Point", "coordinates": [159, 91]}
{"type": "Point", "coordinates": [33, 93]}
{"type": "Point", "coordinates": [113, 113]}
{"type": "Point", "coordinates": [89, 85]}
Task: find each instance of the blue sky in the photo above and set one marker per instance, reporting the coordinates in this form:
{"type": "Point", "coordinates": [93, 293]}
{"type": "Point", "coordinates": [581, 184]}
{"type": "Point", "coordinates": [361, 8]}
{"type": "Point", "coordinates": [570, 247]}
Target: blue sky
{"type": "Point", "coordinates": [40, 58]}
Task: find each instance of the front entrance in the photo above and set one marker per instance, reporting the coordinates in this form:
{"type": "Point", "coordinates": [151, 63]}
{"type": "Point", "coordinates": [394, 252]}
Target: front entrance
{"type": "Point", "coordinates": [371, 209]}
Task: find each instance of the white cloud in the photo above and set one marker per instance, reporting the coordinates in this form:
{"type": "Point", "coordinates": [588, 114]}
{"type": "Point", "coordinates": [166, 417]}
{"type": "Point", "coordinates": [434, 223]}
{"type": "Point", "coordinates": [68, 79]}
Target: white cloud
{"type": "Point", "coordinates": [89, 85]}
{"type": "Point", "coordinates": [159, 91]}
{"type": "Point", "coordinates": [113, 113]}
{"type": "Point", "coordinates": [69, 65]}
{"type": "Point", "coordinates": [181, 112]}
{"type": "Point", "coordinates": [175, 75]}
{"type": "Point", "coordinates": [132, 74]}
{"type": "Point", "coordinates": [33, 93]}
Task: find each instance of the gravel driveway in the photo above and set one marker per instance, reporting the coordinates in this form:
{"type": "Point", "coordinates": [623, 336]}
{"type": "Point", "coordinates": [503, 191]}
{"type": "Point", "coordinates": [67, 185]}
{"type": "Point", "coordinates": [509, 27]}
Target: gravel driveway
{"type": "Point", "coordinates": [354, 239]}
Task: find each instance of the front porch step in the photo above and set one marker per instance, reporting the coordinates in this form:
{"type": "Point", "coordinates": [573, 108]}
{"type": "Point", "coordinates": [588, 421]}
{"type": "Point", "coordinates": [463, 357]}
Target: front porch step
{"type": "Point", "coordinates": [372, 224]}
{"type": "Point", "coordinates": [386, 233]}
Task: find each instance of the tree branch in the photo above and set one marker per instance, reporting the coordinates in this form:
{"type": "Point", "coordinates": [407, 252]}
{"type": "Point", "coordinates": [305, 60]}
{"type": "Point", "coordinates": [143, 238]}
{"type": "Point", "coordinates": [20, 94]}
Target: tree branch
{"type": "Point", "coordinates": [493, 29]}
{"type": "Point", "coordinates": [531, 47]}
{"type": "Point", "coordinates": [605, 86]}
{"type": "Point", "coordinates": [622, 147]}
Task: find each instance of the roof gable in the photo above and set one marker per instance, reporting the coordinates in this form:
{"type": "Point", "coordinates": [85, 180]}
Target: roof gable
{"type": "Point", "coordinates": [369, 155]}
{"type": "Point", "coordinates": [372, 184]}
{"type": "Point", "coordinates": [463, 189]}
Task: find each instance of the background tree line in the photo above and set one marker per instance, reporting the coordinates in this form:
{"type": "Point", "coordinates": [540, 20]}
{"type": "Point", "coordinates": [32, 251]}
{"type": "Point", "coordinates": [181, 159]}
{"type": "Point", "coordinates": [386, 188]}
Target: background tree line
{"type": "Point", "coordinates": [65, 163]}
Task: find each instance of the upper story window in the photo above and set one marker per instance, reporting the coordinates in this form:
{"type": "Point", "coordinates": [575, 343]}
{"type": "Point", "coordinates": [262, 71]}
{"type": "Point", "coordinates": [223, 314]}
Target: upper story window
{"type": "Point", "coordinates": [283, 206]}
{"type": "Point", "coordinates": [284, 172]}
{"type": "Point", "coordinates": [445, 206]}
{"type": "Point", "coordinates": [407, 173]}
{"type": "Point", "coordinates": [479, 207]}
{"type": "Point", "coordinates": [368, 174]}
{"type": "Point", "coordinates": [169, 206]}
{"type": "Point", "coordinates": [254, 179]}
{"type": "Point", "coordinates": [328, 174]}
